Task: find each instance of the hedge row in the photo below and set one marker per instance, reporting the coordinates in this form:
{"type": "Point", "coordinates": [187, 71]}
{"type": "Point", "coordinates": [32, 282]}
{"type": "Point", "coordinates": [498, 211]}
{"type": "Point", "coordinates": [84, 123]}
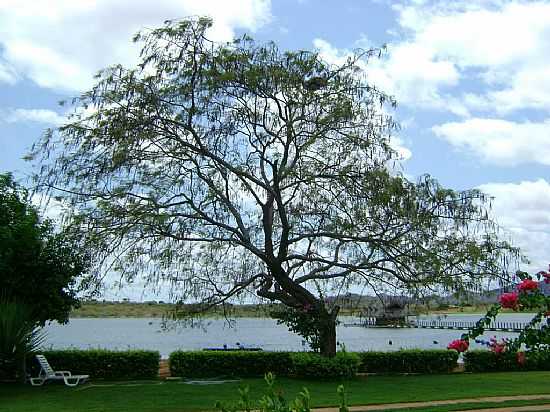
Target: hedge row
{"type": "Point", "coordinates": [408, 361]}
{"type": "Point", "coordinates": [201, 364]}
{"type": "Point", "coordinates": [104, 364]}
{"type": "Point", "coordinates": [137, 364]}
{"type": "Point", "coordinates": [486, 361]}
{"type": "Point", "coordinates": [311, 365]}
{"type": "Point", "coordinates": [245, 364]}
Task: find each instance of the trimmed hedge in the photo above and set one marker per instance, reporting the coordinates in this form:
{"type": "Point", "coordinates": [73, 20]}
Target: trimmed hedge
{"type": "Point", "coordinates": [487, 361]}
{"type": "Point", "coordinates": [408, 361]}
{"type": "Point", "coordinates": [313, 365]}
{"type": "Point", "coordinates": [202, 364]}
{"type": "Point", "coordinates": [104, 364]}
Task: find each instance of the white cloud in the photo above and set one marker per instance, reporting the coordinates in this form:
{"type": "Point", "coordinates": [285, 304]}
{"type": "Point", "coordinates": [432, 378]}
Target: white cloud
{"type": "Point", "coordinates": [522, 209]}
{"type": "Point", "coordinates": [500, 141]}
{"type": "Point", "coordinates": [7, 74]}
{"type": "Point", "coordinates": [32, 115]}
{"type": "Point", "coordinates": [408, 72]}
{"type": "Point", "coordinates": [399, 146]}
{"type": "Point", "coordinates": [505, 44]}
{"type": "Point", "coordinates": [529, 89]}
{"type": "Point", "coordinates": [330, 53]}
{"type": "Point", "coordinates": [62, 46]}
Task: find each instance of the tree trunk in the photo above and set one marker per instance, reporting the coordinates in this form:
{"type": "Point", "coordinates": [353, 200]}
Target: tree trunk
{"type": "Point", "coordinates": [327, 333]}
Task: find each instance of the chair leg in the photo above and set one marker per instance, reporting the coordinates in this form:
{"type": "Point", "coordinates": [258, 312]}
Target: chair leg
{"type": "Point", "coordinates": [37, 381]}
{"type": "Point", "coordinates": [67, 378]}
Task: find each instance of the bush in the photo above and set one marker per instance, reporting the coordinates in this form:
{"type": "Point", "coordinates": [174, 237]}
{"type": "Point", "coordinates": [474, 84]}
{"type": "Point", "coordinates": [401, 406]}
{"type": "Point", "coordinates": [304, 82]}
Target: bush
{"type": "Point", "coordinates": [487, 361]}
{"type": "Point", "coordinates": [200, 364]}
{"type": "Point", "coordinates": [273, 400]}
{"type": "Point", "coordinates": [308, 365]}
{"type": "Point", "coordinates": [19, 336]}
{"type": "Point", "coordinates": [312, 365]}
{"type": "Point", "coordinates": [408, 361]}
{"type": "Point", "coordinates": [104, 364]}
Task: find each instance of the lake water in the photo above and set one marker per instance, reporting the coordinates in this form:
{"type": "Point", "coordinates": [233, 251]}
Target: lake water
{"type": "Point", "coordinates": [145, 333]}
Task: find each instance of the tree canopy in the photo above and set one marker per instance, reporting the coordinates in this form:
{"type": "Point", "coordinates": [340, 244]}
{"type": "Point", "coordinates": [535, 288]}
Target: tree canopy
{"type": "Point", "coordinates": [240, 168]}
{"type": "Point", "coordinates": [39, 267]}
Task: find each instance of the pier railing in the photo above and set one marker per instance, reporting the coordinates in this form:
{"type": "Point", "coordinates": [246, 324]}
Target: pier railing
{"type": "Point", "coordinates": [463, 325]}
{"type": "Point", "coordinates": [443, 324]}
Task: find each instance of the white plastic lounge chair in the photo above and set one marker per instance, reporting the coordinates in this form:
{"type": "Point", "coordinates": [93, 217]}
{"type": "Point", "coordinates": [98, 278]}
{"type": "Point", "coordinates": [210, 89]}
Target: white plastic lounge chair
{"type": "Point", "coordinates": [47, 373]}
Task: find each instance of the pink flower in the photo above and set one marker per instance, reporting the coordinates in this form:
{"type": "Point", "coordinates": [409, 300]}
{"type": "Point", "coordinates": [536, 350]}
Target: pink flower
{"type": "Point", "coordinates": [527, 285]}
{"type": "Point", "coordinates": [520, 357]}
{"type": "Point", "coordinates": [546, 276]}
{"type": "Point", "coordinates": [459, 345]}
{"type": "Point", "coordinates": [509, 300]}
{"type": "Point", "coordinates": [499, 348]}
{"type": "Point", "coordinates": [496, 346]}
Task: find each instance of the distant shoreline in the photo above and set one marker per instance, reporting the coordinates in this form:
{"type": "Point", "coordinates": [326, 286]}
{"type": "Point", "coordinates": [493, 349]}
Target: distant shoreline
{"type": "Point", "coordinates": [160, 310]}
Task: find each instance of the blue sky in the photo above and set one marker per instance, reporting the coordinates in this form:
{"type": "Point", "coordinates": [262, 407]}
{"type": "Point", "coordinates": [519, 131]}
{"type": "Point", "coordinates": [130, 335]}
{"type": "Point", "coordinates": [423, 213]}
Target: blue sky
{"type": "Point", "coordinates": [472, 79]}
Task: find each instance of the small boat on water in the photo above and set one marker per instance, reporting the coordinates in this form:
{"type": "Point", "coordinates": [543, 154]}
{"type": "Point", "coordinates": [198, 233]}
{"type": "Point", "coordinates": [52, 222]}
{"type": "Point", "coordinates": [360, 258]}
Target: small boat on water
{"type": "Point", "coordinates": [237, 347]}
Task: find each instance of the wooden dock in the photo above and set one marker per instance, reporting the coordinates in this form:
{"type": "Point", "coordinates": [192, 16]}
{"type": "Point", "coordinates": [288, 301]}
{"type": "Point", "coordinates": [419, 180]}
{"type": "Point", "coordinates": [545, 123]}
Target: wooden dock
{"type": "Point", "coordinates": [443, 324]}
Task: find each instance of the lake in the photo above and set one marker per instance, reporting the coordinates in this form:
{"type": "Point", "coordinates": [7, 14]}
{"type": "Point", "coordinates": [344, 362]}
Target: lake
{"type": "Point", "coordinates": [147, 333]}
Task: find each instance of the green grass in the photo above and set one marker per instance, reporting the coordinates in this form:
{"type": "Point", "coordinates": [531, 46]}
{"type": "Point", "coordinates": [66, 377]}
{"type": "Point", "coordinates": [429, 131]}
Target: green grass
{"type": "Point", "coordinates": [177, 397]}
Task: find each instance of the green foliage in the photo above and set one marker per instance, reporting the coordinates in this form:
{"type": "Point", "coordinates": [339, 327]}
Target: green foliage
{"type": "Point", "coordinates": [19, 336]}
{"type": "Point", "coordinates": [307, 322]}
{"type": "Point", "coordinates": [273, 400]}
{"type": "Point", "coordinates": [105, 364]}
{"type": "Point", "coordinates": [229, 363]}
{"type": "Point", "coordinates": [309, 365]}
{"type": "Point", "coordinates": [32, 254]}
{"type": "Point", "coordinates": [487, 361]}
{"type": "Point", "coordinates": [408, 361]}
{"type": "Point", "coordinates": [248, 364]}
{"type": "Point", "coordinates": [314, 366]}
{"type": "Point", "coordinates": [535, 336]}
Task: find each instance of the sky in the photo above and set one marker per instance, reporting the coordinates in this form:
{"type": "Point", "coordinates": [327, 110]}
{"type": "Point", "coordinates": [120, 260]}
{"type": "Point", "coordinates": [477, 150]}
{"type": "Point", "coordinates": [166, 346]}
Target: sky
{"type": "Point", "coordinates": [472, 80]}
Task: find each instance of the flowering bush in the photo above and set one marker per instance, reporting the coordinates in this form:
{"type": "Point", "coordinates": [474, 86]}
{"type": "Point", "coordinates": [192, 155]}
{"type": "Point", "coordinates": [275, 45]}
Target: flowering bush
{"type": "Point", "coordinates": [545, 275]}
{"type": "Point", "coordinates": [497, 347]}
{"type": "Point", "coordinates": [520, 358]}
{"type": "Point", "coordinates": [535, 337]}
{"type": "Point", "coordinates": [527, 285]}
{"type": "Point", "coordinates": [509, 300]}
{"type": "Point", "coordinates": [460, 345]}
{"type": "Point", "coordinates": [494, 345]}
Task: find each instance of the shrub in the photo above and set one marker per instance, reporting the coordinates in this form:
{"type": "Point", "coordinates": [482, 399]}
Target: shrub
{"type": "Point", "coordinates": [19, 336]}
{"type": "Point", "coordinates": [106, 364]}
{"type": "Point", "coordinates": [487, 361]}
{"type": "Point", "coordinates": [273, 400]}
{"type": "Point", "coordinates": [229, 363]}
{"type": "Point", "coordinates": [313, 365]}
{"type": "Point", "coordinates": [408, 361]}
{"type": "Point", "coordinates": [307, 364]}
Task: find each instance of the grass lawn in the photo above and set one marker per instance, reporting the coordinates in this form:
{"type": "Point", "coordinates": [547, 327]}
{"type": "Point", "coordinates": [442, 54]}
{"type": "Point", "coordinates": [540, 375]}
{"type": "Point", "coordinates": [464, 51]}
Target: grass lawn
{"type": "Point", "coordinates": [160, 396]}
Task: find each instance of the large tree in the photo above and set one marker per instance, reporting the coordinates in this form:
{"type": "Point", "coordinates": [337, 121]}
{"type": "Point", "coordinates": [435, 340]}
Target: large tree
{"type": "Point", "coordinates": [39, 266]}
{"type": "Point", "coordinates": [233, 168]}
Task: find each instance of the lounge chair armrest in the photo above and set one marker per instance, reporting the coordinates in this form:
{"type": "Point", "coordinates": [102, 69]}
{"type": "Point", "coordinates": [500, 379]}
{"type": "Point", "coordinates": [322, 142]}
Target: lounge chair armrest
{"type": "Point", "coordinates": [62, 373]}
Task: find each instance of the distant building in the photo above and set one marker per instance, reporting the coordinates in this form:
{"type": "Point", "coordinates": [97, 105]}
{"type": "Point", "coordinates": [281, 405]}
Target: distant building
{"type": "Point", "coordinates": [394, 311]}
